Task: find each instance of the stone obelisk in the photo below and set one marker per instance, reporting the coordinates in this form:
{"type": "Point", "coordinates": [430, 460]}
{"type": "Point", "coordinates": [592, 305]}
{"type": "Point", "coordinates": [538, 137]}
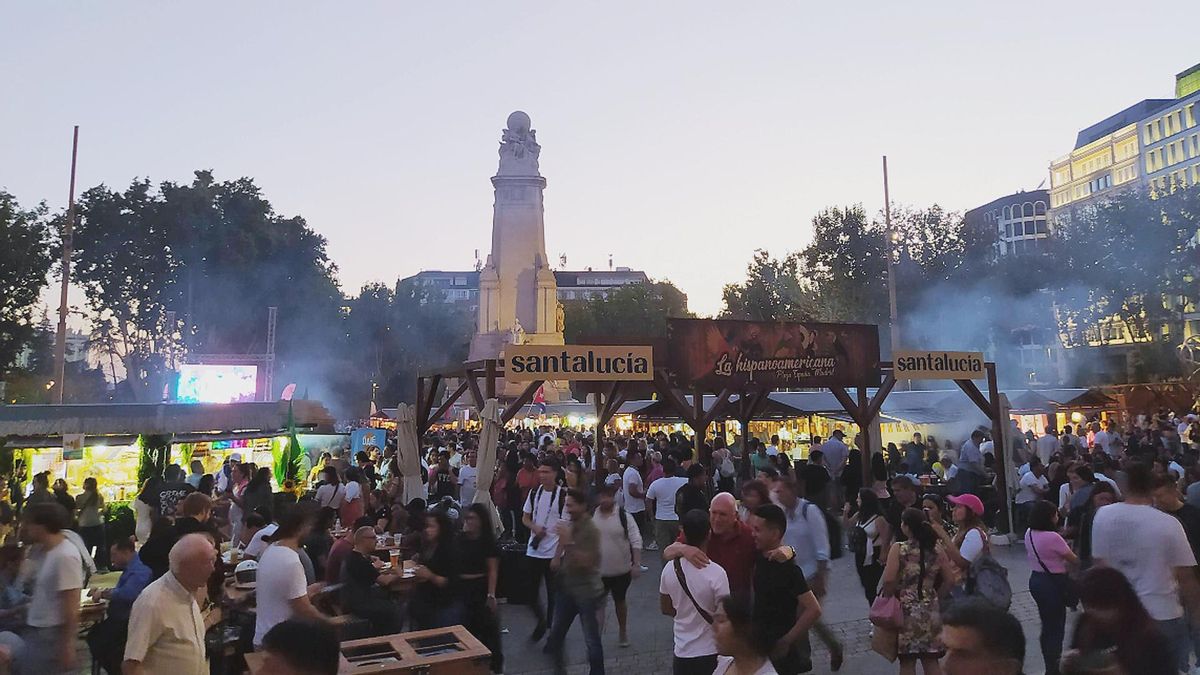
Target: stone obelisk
{"type": "Point", "coordinates": [518, 296]}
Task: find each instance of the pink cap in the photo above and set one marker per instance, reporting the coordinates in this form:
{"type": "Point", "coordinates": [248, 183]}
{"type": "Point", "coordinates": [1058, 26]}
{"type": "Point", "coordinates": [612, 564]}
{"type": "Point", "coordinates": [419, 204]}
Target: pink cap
{"type": "Point", "coordinates": [970, 501]}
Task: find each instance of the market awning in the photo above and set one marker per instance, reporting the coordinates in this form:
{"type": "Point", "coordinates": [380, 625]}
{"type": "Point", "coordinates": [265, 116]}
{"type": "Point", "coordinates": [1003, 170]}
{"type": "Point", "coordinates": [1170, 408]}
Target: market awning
{"type": "Point", "coordinates": [29, 421]}
{"type": "Point", "coordinates": [662, 411]}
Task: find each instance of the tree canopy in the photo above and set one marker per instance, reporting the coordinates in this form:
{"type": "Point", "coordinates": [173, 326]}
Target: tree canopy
{"type": "Point", "coordinates": [636, 310]}
{"type": "Point", "coordinates": [25, 259]}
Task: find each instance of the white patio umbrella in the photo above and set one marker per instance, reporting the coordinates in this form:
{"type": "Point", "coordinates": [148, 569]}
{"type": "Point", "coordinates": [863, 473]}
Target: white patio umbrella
{"type": "Point", "coordinates": [489, 436]}
{"type": "Point", "coordinates": [409, 449]}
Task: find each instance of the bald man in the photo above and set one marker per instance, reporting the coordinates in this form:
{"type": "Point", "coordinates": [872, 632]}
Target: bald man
{"type": "Point", "coordinates": [730, 545]}
{"type": "Point", "coordinates": [166, 630]}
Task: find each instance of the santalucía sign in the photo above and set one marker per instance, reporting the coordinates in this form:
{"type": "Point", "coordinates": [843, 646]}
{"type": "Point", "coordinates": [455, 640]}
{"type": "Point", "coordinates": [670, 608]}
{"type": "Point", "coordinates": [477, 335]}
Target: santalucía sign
{"type": "Point", "coordinates": [525, 363]}
{"type": "Point", "coordinates": [938, 365]}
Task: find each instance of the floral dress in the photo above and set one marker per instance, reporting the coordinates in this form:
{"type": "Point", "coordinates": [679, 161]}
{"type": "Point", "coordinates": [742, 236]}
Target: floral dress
{"type": "Point", "coordinates": [919, 600]}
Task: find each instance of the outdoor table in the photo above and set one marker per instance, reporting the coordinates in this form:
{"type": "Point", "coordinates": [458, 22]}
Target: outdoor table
{"type": "Point", "coordinates": [235, 596]}
{"type": "Point", "coordinates": [92, 611]}
{"type": "Point", "coordinates": [440, 651]}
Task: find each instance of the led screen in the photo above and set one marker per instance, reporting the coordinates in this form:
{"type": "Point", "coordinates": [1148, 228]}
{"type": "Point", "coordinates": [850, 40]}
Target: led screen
{"type": "Point", "coordinates": [207, 383]}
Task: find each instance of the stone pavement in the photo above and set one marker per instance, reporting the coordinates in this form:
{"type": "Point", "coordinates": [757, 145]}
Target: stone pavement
{"type": "Point", "coordinates": [845, 611]}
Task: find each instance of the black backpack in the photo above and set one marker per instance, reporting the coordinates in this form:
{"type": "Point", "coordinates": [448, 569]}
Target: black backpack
{"type": "Point", "coordinates": [857, 539]}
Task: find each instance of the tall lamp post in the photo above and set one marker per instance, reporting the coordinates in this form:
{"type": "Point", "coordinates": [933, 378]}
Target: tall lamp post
{"type": "Point", "coordinates": [893, 320]}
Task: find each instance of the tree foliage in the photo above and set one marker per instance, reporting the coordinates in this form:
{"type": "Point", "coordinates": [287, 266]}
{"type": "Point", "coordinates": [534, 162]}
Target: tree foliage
{"type": "Point", "coordinates": [774, 290]}
{"type": "Point", "coordinates": [25, 259]}
{"type": "Point", "coordinates": [636, 310]}
{"type": "Point", "coordinates": [847, 267]}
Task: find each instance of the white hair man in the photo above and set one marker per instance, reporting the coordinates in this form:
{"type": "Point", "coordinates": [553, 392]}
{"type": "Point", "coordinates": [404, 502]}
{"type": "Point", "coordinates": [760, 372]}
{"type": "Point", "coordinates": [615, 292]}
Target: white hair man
{"type": "Point", "coordinates": [166, 630]}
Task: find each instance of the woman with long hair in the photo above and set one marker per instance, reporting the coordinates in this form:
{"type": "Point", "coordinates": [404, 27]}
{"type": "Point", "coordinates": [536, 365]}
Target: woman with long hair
{"type": "Point", "coordinates": [89, 508]}
{"type": "Point", "coordinates": [917, 572]}
{"type": "Point", "coordinates": [1049, 556]}
{"type": "Point", "coordinates": [144, 510]}
{"type": "Point", "coordinates": [754, 495]}
{"type": "Point", "coordinates": [939, 516]}
{"type": "Point", "coordinates": [876, 536]}
{"type": "Point", "coordinates": [352, 507]}
{"type": "Point", "coordinates": [435, 603]}
{"type": "Point", "coordinates": [258, 495]}
{"type": "Point", "coordinates": [971, 540]}
{"type": "Point", "coordinates": [479, 572]}
{"type": "Point", "coordinates": [1102, 495]}
{"type": "Point", "coordinates": [742, 645]}
{"type": "Point", "coordinates": [1115, 625]}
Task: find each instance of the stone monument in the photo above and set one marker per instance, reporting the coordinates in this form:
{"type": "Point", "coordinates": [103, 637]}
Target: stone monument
{"type": "Point", "coordinates": [518, 296]}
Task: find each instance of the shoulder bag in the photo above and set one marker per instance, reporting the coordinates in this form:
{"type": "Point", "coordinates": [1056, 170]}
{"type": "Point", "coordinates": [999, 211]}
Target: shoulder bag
{"type": "Point", "coordinates": [687, 591]}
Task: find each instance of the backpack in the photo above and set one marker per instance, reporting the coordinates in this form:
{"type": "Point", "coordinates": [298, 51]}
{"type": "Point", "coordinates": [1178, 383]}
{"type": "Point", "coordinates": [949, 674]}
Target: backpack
{"type": "Point", "coordinates": [857, 539]}
{"type": "Point", "coordinates": [832, 526]}
{"type": "Point", "coordinates": [986, 580]}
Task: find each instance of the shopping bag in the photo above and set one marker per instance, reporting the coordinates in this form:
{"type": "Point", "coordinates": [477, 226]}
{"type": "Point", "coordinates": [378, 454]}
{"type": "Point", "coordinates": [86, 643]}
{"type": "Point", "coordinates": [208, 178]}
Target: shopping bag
{"type": "Point", "coordinates": [886, 612]}
{"type": "Point", "coordinates": [885, 642]}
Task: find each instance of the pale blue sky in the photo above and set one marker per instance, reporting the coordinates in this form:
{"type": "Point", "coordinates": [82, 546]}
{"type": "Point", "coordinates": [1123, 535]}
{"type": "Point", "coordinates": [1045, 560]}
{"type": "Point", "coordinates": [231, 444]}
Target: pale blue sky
{"type": "Point", "coordinates": [678, 136]}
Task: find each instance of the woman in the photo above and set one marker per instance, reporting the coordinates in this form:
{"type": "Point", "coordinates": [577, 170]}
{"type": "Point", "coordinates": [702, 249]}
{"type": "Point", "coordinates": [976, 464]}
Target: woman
{"type": "Point", "coordinates": [1048, 556]}
{"type": "Point", "coordinates": [1102, 495]}
{"type": "Point", "coordinates": [479, 571]}
{"type": "Point", "coordinates": [852, 474]}
{"type": "Point", "coordinates": [1115, 623]}
{"type": "Point", "coordinates": [207, 485]}
{"type": "Point", "coordinates": [939, 517]}
{"type": "Point", "coordinates": [144, 509]}
{"type": "Point", "coordinates": [917, 571]}
{"type": "Point", "coordinates": [878, 536]}
{"type": "Point", "coordinates": [89, 509]}
{"type": "Point", "coordinates": [353, 507]}
{"type": "Point", "coordinates": [971, 540]}
{"type": "Point", "coordinates": [238, 479]}
{"type": "Point", "coordinates": [754, 495]}
{"type": "Point", "coordinates": [258, 496]}
{"type": "Point", "coordinates": [319, 541]}
{"type": "Point", "coordinates": [741, 644]}
{"type": "Point", "coordinates": [434, 602]}
{"type": "Point", "coordinates": [574, 474]}
{"type": "Point", "coordinates": [197, 473]}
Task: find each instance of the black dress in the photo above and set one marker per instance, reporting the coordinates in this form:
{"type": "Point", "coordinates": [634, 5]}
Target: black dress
{"type": "Point", "coordinates": [433, 606]}
{"type": "Point", "coordinates": [480, 620]}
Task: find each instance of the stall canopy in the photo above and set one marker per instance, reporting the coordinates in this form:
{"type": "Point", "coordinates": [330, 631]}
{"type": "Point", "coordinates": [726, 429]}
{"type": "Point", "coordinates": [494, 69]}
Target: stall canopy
{"type": "Point", "coordinates": [45, 424]}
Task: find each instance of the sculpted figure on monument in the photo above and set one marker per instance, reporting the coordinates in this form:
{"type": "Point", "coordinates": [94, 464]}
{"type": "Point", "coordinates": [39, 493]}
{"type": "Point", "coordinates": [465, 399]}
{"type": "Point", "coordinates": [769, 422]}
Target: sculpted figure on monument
{"type": "Point", "coordinates": [560, 317]}
{"type": "Point", "coordinates": [516, 335]}
{"type": "Point", "coordinates": [519, 148]}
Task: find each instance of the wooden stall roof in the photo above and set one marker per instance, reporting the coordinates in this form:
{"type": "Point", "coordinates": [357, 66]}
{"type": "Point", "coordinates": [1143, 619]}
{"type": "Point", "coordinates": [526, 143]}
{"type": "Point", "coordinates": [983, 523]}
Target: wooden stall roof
{"type": "Point", "coordinates": [160, 418]}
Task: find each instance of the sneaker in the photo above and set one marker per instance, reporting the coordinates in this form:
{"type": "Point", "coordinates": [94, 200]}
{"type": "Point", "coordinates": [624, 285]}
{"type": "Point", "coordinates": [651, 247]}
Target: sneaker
{"type": "Point", "coordinates": [652, 546]}
{"type": "Point", "coordinates": [623, 643]}
{"type": "Point", "coordinates": [644, 568]}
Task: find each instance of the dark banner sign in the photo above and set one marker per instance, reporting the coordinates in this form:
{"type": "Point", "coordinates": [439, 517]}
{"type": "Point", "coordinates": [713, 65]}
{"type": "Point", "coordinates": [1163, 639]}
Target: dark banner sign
{"type": "Point", "coordinates": [724, 353]}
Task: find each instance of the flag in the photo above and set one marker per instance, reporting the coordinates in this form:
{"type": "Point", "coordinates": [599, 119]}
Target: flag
{"type": "Point", "coordinates": [539, 400]}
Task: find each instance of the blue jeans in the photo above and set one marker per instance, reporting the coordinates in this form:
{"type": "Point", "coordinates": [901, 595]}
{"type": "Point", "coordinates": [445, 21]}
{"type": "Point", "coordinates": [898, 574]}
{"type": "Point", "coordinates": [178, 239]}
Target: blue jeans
{"type": "Point", "coordinates": [1047, 592]}
{"type": "Point", "coordinates": [1179, 637]}
{"type": "Point", "coordinates": [566, 607]}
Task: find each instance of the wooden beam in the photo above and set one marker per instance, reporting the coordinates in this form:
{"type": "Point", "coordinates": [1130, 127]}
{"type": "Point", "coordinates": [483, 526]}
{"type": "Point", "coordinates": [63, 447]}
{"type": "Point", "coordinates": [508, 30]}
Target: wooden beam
{"type": "Point", "coordinates": [615, 399]}
{"type": "Point", "coordinates": [672, 397]}
{"type": "Point", "coordinates": [976, 397]}
{"type": "Point", "coordinates": [889, 383]}
{"type": "Point", "coordinates": [473, 387]}
{"type": "Point", "coordinates": [999, 447]}
{"type": "Point", "coordinates": [718, 406]}
{"type": "Point", "coordinates": [489, 370]}
{"type": "Point", "coordinates": [453, 398]}
{"type": "Point", "coordinates": [842, 397]}
{"type": "Point", "coordinates": [525, 397]}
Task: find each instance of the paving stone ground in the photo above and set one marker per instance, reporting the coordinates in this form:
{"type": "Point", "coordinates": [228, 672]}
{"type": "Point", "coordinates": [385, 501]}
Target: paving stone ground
{"type": "Point", "coordinates": [845, 611]}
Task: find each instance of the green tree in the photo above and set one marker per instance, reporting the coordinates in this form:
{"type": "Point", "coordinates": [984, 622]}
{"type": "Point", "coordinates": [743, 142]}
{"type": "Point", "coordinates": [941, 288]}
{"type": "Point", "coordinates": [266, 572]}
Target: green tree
{"type": "Point", "coordinates": [635, 311]}
{"type": "Point", "coordinates": [773, 291]}
{"type": "Point", "coordinates": [847, 267]}
{"type": "Point", "coordinates": [25, 258]}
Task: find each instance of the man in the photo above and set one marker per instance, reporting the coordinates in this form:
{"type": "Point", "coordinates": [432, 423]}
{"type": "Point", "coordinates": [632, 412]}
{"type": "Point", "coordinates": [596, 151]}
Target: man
{"type": "Point", "coordinates": [836, 452]}
{"type": "Point", "coordinates": [914, 455]}
{"type": "Point", "coordinates": [362, 581]}
{"type": "Point", "coordinates": [53, 614]}
{"type": "Point", "coordinates": [256, 533]}
{"type": "Point", "coordinates": [660, 497]}
{"type": "Point", "coordinates": [107, 638]}
{"type": "Point", "coordinates": [981, 639]}
{"type": "Point", "coordinates": [341, 549]}
{"type": "Point", "coordinates": [166, 629]}
{"type": "Point", "coordinates": [633, 491]}
{"type": "Point", "coordinates": [172, 491]}
{"type": "Point", "coordinates": [542, 512]}
{"type": "Point", "coordinates": [1151, 549]}
{"type": "Point", "coordinates": [1032, 486]}
{"type": "Point", "coordinates": [808, 533]}
{"type": "Point", "coordinates": [904, 496]}
{"type": "Point", "coordinates": [693, 495]}
{"type": "Point", "coordinates": [577, 562]}
{"type": "Point", "coordinates": [784, 607]}
{"type": "Point", "coordinates": [816, 479]}
{"type": "Point", "coordinates": [1047, 445]}
{"type": "Point", "coordinates": [468, 478]}
{"type": "Point", "coordinates": [300, 648]}
{"type": "Point", "coordinates": [730, 544]}
{"type": "Point", "coordinates": [970, 455]}
{"type": "Point", "coordinates": [620, 555]}
{"type": "Point", "coordinates": [689, 594]}
{"type": "Point", "coordinates": [1108, 441]}
{"type": "Point", "coordinates": [773, 448]}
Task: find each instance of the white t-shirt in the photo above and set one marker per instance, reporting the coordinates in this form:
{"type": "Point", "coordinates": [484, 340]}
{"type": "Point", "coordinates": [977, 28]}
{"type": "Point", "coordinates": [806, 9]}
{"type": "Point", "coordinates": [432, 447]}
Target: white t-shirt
{"type": "Point", "coordinates": [1046, 446]}
{"type": "Point", "coordinates": [280, 580]}
{"type": "Point", "coordinates": [616, 554]}
{"type": "Point", "coordinates": [331, 495]}
{"type": "Point", "coordinates": [258, 544]}
{"type": "Point", "coordinates": [353, 491]}
{"type": "Point", "coordinates": [1028, 482]}
{"type": "Point", "coordinates": [633, 477]}
{"type": "Point", "coordinates": [61, 570]}
{"type": "Point", "coordinates": [1106, 442]}
{"type": "Point", "coordinates": [662, 491]}
{"type": "Point", "coordinates": [543, 508]}
{"type": "Point", "coordinates": [771, 452]}
{"type": "Point", "coordinates": [1146, 545]}
{"type": "Point", "coordinates": [725, 664]}
{"type": "Point", "coordinates": [972, 546]}
{"type": "Point", "coordinates": [694, 635]}
{"type": "Point", "coordinates": [468, 480]}
{"type": "Point", "coordinates": [1064, 496]}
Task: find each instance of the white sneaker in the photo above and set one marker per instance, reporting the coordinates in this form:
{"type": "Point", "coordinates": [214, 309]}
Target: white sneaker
{"type": "Point", "coordinates": [644, 568]}
{"type": "Point", "coordinates": [652, 546]}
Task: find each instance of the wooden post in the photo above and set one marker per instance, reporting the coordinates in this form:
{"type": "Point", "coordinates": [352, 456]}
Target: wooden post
{"type": "Point", "coordinates": [999, 428]}
{"type": "Point", "coordinates": [489, 369]}
{"type": "Point", "coordinates": [598, 440]}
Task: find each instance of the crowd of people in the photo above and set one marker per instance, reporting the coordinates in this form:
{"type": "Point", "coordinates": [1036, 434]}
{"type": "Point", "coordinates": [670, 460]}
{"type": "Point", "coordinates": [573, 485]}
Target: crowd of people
{"type": "Point", "coordinates": [1109, 517]}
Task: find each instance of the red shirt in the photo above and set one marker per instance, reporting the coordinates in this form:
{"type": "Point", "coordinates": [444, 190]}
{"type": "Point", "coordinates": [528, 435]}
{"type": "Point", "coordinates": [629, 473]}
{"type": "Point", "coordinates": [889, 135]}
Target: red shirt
{"type": "Point", "coordinates": [526, 480]}
{"type": "Point", "coordinates": [735, 553]}
{"type": "Point", "coordinates": [337, 555]}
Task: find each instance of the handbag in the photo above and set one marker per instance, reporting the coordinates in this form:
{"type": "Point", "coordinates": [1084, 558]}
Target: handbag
{"type": "Point", "coordinates": [1070, 593]}
{"type": "Point", "coordinates": [887, 613]}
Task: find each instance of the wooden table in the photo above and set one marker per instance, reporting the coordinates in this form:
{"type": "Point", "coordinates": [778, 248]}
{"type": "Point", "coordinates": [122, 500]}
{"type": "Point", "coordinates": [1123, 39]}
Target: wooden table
{"type": "Point", "coordinates": [441, 651]}
{"type": "Point", "coordinates": [237, 597]}
{"type": "Point", "coordinates": [93, 611]}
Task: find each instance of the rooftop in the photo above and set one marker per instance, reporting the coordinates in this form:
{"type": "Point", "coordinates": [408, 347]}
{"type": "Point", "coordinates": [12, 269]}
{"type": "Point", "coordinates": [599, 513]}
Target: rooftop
{"type": "Point", "coordinates": [1130, 115]}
